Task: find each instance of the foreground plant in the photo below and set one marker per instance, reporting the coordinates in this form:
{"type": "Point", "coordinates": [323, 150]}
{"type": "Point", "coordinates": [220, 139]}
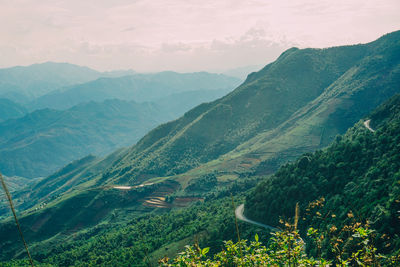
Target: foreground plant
{"type": "Point", "coordinates": [352, 245]}
{"type": "Point", "coordinates": [286, 248]}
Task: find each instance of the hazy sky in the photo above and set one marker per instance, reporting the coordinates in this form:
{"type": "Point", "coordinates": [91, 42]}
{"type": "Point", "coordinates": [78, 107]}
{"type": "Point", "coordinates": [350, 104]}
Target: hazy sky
{"type": "Point", "coordinates": [182, 35]}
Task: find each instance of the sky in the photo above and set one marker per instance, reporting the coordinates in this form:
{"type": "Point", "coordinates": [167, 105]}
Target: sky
{"type": "Point", "coordinates": [183, 35]}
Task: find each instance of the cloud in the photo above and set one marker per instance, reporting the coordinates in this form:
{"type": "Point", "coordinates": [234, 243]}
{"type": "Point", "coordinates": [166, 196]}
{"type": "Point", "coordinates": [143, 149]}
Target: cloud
{"type": "Point", "coordinates": [175, 47]}
{"type": "Point", "coordinates": [129, 29]}
{"type": "Point", "coordinates": [182, 34]}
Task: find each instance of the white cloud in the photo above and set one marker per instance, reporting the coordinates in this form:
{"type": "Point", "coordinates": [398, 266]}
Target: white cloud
{"type": "Point", "coordinates": [182, 34]}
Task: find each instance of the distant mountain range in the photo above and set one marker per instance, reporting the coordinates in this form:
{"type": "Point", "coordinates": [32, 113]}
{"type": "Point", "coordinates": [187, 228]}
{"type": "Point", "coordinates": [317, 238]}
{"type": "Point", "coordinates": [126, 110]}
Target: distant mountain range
{"type": "Point", "coordinates": [11, 110]}
{"type": "Point", "coordinates": [65, 124]}
{"type": "Point", "coordinates": [42, 141]}
{"type": "Point", "coordinates": [22, 84]}
{"type": "Point", "coordinates": [138, 87]}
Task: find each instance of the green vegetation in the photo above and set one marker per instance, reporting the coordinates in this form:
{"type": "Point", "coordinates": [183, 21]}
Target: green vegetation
{"type": "Point", "coordinates": [203, 184]}
{"type": "Point", "coordinates": [286, 248]}
{"type": "Point", "coordinates": [296, 104]}
{"type": "Point", "coordinates": [359, 172]}
{"type": "Point", "coordinates": [113, 243]}
{"type": "Point", "coordinates": [335, 229]}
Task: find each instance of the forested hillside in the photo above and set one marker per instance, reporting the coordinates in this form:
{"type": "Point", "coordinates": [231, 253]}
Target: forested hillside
{"type": "Point", "coordinates": [358, 173]}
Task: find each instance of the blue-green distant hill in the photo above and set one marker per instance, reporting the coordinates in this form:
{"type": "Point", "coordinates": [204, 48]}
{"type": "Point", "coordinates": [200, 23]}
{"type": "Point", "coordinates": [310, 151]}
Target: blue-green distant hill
{"type": "Point", "coordinates": [138, 87]}
{"type": "Point", "coordinates": [10, 110]}
{"type": "Point", "coordinates": [22, 84]}
{"type": "Point", "coordinates": [66, 124]}
{"type": "Point", "coordinates": [44, 140]}
{"type": "Point", "coordinates": [40, 142]}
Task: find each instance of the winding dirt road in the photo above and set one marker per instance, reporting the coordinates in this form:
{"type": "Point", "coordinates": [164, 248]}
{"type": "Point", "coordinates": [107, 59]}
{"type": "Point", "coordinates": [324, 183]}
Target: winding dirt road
{"type": "Point", "coordinates": [366, 124]}
{"type": "Point", "coordinates": [240, 216]}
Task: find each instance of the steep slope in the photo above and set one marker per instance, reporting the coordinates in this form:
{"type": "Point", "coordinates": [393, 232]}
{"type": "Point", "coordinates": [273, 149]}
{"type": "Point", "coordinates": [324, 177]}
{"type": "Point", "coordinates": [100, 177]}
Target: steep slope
{"type": "Point", "coordinates": [179, 103]}
{"type": "Point", "coordinates": [10, 110]}
{"type": "Point", "coordinates": [362, 88]}
{"type": "Point", "coordinates": [242, 72]}
{"type": "Point", "coordinates": [43, 141]}
{"type": "Point", "coordinates": [358, 173]}
{"type": "Point", "coordinates": [137, 87]}
{"type": "Point", "coordinates": [311, 84]}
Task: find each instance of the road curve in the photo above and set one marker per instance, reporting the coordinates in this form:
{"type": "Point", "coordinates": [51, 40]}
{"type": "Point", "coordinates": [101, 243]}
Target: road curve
{"type": "Point", "coordinates": [240, 216]}
{"type": "Point", "coordinates": [366, 124]}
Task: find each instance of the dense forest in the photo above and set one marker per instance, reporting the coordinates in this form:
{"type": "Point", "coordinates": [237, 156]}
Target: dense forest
{"type": "Point", "coordinates": [359, 173]}
{"type": "Point", "coordinates": [143, 239]}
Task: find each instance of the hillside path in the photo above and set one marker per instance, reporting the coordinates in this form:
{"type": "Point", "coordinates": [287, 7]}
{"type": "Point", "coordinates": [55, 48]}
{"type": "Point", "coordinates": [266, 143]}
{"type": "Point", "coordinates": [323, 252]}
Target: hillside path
{"type": "Point", "coordinates": [125, 187]}
{"type": "Point", "coordinates": [366, 124]}
{"type": "Point", "coordinates": [240, 216]}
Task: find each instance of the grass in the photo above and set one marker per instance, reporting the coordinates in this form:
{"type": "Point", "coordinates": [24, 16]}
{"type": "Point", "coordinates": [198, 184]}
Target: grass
{"type": "Point", "coordinates": [172, 249]}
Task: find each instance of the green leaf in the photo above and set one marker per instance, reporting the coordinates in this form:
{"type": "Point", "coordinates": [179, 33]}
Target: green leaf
{"type": "Point", "coordinates": [256, 237]}
{"type": "Point", "coordinates": [205, 251]}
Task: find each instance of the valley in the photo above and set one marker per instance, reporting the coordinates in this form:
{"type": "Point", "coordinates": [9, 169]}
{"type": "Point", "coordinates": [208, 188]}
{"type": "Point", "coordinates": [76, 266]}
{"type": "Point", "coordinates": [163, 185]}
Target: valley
{"type": "Point", "coordinates": [96, 117]}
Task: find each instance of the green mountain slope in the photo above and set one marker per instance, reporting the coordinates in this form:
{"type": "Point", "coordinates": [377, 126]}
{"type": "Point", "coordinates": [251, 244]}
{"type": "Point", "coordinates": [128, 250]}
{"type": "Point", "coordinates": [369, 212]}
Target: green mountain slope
{"type": "Point", "coordinates": [71, 177]}
{"type": "Point", "coordinates": [137, 87]}
{"type": "Point", "coordinates": [359, 172]}
{"type": "Point", "coordinates": [328, 89]}
{"type": "Point", "coordinates": [43, 141]}
{"type": "Point", "coordinates": [242, 72]}
{"type": "Point", "coordinates": [362, 88]}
